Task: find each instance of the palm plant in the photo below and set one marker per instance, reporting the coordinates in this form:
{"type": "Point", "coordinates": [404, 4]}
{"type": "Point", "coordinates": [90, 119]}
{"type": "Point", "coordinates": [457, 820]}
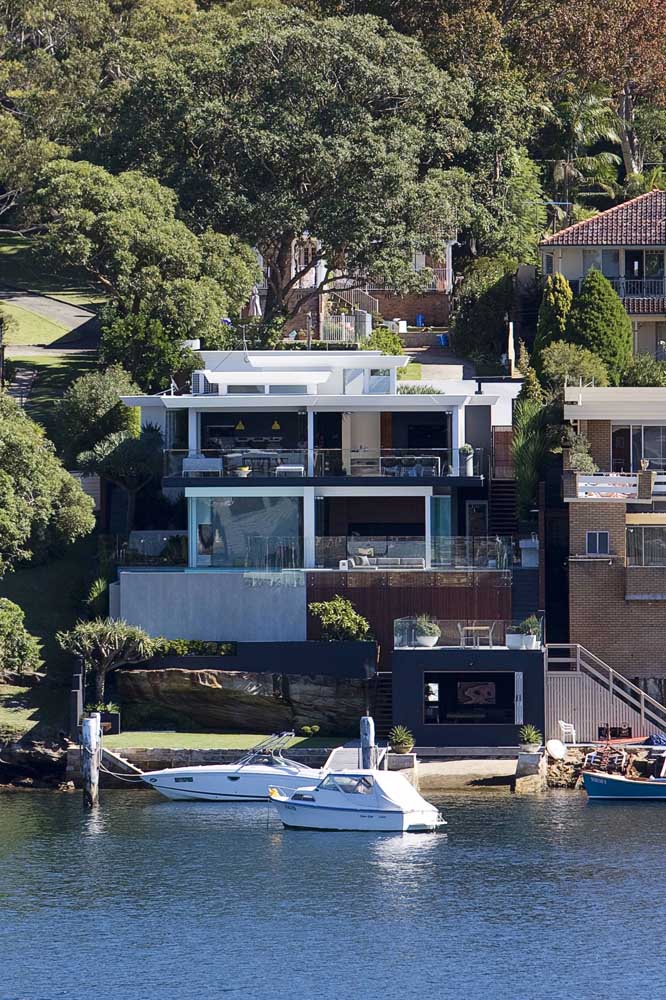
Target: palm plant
{"type": "Point", "coordinates": [582, 122]}
{"type": "Point", "coordinates": [530, 447]}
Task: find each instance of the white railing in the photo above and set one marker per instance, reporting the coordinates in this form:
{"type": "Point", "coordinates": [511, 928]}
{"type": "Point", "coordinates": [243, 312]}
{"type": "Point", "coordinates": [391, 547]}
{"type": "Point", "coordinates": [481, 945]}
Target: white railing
{"type": "Point", "coordinates": [614, 486]}
{"type": "Point", "coordinates": [578, 659]}
{"type": "Point", "coordinates": [439, 282]}
{"type": "Point", "coordinates": [629, 288]}
{"type": "Point", "coordinates": [356, 297]}
{"type": "Point", "coordinates": [339, 329]}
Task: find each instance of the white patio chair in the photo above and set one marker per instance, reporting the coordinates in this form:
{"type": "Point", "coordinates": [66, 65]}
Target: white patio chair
{"type": "Point", "coordinates": [568, 731]}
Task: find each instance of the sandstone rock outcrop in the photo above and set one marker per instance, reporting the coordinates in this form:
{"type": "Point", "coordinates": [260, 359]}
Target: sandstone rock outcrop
{"type": "Point", "coordinates": [248, 702]}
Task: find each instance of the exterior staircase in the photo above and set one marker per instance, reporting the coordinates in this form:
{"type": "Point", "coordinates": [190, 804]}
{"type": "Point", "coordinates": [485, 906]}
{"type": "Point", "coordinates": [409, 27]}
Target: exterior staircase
{"type": "Point", "coordinates": [357, 298]}
{"type": "Point", "coordinates": [382, 709]}
{"type": "Point", "coordinates": [583, 690]}
{"type": "Point", "coordinates": [502, 515]}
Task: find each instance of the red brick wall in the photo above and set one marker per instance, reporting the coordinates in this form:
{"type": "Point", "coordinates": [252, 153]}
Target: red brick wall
{"type": "Point", "coordinates": [598, 433]}
{"type": "Point", "coordinates": [627, 634]}
{"type": "Point", "coordinates": [435, 306]}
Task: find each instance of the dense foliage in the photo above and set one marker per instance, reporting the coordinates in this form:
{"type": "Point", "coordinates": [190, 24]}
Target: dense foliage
{"type": "Point", "coordinates": [598, 321]}
{"type": "Point", "coordinates": [645, 370]}
{"type": "Point", "coordinates": [41, 505]}
{"type": "Point", "coordinates": [553, 315]}
{"type": "Point", "coordinates": [105, 643]}
{"type": "Point", "coordinates": [339, 619]}
{"type": "Point", "coordinates": [19, 650]}
{"type": "Point", "coordinates": [142, 346]}
{"type": "Point", "coordinates": [91, 409]}
{"type": "Point", "coordinates": [565, 364]}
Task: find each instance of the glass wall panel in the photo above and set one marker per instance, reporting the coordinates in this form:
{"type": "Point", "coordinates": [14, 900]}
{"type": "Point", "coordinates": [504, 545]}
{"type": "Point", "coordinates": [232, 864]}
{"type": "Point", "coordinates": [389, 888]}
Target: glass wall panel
{"type": "Point", "coordinates": [654, 446]}
{"type": "Point", "coordinates": [654, 264]}
{"type": "Point", "coordinates": [261, 533]}
{"type": "Point", "coordinates": [440, 530]}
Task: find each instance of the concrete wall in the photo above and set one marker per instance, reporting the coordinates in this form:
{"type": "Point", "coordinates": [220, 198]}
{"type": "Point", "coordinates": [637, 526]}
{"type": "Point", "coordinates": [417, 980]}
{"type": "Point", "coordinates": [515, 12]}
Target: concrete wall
{"type": "Point", "coordinates": [410, 666]}
{"type": "Point", "coordinates": [223, 606]}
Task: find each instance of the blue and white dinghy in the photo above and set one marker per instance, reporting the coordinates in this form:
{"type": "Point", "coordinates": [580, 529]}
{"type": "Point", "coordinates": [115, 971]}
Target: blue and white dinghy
{"type": "Point", "coordinates": [600, 785]}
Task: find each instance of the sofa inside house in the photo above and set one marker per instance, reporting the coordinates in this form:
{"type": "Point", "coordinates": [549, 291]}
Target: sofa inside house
{"type": "Point", "coordinates": [382, 562]}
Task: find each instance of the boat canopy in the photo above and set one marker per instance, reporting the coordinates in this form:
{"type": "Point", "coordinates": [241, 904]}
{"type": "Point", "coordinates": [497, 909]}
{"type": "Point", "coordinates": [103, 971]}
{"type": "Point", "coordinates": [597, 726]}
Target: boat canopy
{"type": "Point", "coordinates": [386, 789]}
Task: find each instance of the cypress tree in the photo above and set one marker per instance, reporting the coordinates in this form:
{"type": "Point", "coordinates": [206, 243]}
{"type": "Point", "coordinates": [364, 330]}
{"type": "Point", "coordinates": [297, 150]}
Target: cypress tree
{"type": "Point", "coordinates": [599, 322]}
{"type": "Point", "coordinates": [553, 315]}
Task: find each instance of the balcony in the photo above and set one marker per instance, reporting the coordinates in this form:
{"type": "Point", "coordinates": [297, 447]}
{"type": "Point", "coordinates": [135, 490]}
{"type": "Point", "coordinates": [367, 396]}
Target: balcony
{"type": "Point", "coordinates": [465, 633]}
{"type": "Point", "coordinates": [626, 487]}
{"type": "Point", "coordinates": [387, 463]}
{"type": "Point", "coordinates": [401, 552]}
{"type": "Point", "coordinates": [631, 288]}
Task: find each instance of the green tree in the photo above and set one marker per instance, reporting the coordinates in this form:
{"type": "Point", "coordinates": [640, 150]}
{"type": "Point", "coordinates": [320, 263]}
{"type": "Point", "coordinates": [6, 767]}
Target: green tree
{"type": "Point", "coordinates": [530, 447]}
{"type": "Point", "coordinates": [599, 322]}
{"type": "Point", "coordinates": [644, 370]}
{"type": "Point", "coordinates": [91, 409]}
{"type": "Point", "coordinates": [480, 319]}
{"type": "Point", "coordinates": [19, 650]}
{"type": "Point", "coordinates": [103, 644]}
{"type": "Point", "coordinates": [41, 505]}
{"type": "Point", "coordinates": [281, 125]}
{"type": "Point", "coordinates": [128, 462]}
{"type": "Point", "coordinates": [565, 364]}
{"type": "Point", "coordinates": [339, 619]}
{"type": "Point", "coordinates": [384, 340]}
{"type": "Point", "coordinates": [531, 387]}
{"type": "Point", "coordinates": [553, 315]}
{"type": "Point", "coordinates": [146, 350]}
{"type": "Point", "coordinates": [124, 230]}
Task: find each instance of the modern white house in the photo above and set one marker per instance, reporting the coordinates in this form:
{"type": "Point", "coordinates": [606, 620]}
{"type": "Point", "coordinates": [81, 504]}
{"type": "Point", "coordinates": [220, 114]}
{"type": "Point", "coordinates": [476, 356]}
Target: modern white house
{"type": "Point", "coordinates": [311, 469]}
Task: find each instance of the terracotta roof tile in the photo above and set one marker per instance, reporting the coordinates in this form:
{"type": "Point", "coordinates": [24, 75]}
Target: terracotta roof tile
{"type": "Point", "coordinates": [645, 307]}
{"type": "Point", "coordinates": [639, 222]}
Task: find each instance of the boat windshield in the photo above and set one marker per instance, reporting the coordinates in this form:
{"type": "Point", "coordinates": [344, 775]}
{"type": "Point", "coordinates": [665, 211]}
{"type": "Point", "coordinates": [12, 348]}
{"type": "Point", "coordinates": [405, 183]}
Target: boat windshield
{"type": "Point", "coordinates": [351, 784]}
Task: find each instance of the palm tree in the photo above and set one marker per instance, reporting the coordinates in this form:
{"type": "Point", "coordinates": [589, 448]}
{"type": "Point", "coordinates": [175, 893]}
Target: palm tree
{"type": "Point", "coordinates": [128, 462]}
{"type": "Point", "coordinates": [582, 122]}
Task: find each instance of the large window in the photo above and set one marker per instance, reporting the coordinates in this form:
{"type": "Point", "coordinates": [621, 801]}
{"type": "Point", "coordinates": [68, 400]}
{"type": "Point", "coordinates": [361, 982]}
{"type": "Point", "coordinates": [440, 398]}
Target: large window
{"type": "Point", "coordinates": [471, 698]}
{"type": "Point", "coordinates": [606, 261]}
{"type": "Point", "coordinates": [263, 533]}
{"type": "Point", "coordinates": [646, 545]}
{"type": "Point", "coordinates": [631, 443]}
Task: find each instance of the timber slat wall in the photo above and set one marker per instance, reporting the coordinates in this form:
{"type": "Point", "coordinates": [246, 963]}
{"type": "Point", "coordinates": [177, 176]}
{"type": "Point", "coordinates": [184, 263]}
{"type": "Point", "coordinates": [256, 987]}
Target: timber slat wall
{"type": "Point", "coordinates": [577, 698]}
{"type": "Point", "coordinates": [381, 597]}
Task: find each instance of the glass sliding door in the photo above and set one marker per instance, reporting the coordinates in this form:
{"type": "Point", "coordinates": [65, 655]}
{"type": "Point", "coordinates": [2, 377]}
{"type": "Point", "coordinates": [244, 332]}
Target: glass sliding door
{"type": "Point", "coordinates": [258, 533]}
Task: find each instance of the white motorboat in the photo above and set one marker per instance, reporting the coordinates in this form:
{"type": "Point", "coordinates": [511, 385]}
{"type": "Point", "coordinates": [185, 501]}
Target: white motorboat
{"type": "Point", "coordinates": [247, 780]}
{"type": "Point", "coordinates": [357, 800]}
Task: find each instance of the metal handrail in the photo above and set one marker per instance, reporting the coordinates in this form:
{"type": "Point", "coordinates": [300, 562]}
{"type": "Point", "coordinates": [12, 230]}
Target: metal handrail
{"type": "Point", "coordinates": [616, 683]}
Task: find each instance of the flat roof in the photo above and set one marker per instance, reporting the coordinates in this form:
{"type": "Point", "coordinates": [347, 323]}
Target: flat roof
{"type": "Point", "coordinates": [619, 404]}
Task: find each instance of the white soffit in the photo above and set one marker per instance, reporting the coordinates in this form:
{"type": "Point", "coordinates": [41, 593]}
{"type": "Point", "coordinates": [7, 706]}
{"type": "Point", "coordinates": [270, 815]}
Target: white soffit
{"type": "Point", "coordinates": [272, 378]}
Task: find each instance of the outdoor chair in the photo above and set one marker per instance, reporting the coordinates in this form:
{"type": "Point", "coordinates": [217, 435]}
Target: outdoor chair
{"type": "Point", "coordinates": [568, 731]}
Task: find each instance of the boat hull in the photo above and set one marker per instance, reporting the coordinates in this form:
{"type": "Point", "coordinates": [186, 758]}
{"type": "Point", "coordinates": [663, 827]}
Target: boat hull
{"type": "Point", "coordinates": [615, 786]}
{"type": "Point", "coordinates": [224, 784]}
{"type": "Point", "coordinates": [302, 816]}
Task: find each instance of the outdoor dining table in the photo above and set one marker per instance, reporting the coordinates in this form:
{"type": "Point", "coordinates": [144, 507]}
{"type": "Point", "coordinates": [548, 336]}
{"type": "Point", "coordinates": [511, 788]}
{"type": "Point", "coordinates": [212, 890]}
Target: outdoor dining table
{"type": "Point", "coordinates": [476, 632]}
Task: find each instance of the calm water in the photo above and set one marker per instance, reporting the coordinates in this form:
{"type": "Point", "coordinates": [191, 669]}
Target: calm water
{"type": "Point", "coordinates": [541, 898]}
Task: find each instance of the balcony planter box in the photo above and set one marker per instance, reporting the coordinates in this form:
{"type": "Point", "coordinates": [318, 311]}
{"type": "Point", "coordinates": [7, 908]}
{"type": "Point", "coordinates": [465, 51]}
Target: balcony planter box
{"type": "Point", "coordinates": [427, 640]}
{"type": "Point", "coordinates": [466, 463]}
{"type": "Point", "coordinates": [514, 640]}
{"type": "Point", "coordinates": [530, 642]}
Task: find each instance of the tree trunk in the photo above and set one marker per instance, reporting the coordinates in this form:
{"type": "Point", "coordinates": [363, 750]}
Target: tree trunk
{"type": "Point", "coordinates": [100, 684]}
{"type": "Point", "coordinates": [131, 509]}
{"type": "Point", "coordinates": [632, 154]}
{"type": "Point", "coordinates": [279, 277]}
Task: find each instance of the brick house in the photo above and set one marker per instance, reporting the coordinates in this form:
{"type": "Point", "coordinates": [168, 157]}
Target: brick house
{"type": "Point", "coordinates": [617, 531]}
{"type": "Point", "coordinates": [627, 244]}
{"type": "Point", "coordinates": [343, 311]}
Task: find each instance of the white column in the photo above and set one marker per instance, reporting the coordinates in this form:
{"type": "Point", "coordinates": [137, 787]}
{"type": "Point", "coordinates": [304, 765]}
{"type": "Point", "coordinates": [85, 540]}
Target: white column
{"type": "Point", "coordinates": [428, 531]}
{"type": "Point", "coordinates": [309, 527]}
{"type": "Point", "coordinates": [311, 443]}
{"type": "Point", "coordinates": [193, 431]}
{"type": "Point", "coordinates": [345, 436]}
{"type": "Point", "coordinates": [457, 438]}
{"type": "Point", "coordinates": [393, 381]}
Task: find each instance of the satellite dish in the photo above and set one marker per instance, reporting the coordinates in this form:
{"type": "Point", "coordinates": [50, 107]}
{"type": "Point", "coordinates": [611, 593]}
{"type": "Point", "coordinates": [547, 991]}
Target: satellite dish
{"type": "Point", "coordinates": [556, 749]}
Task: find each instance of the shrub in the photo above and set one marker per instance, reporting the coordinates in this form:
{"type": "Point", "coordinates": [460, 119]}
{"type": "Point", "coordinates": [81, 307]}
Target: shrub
{"type": "Point", "coordinates": [339, 619]}
{"type": "Point", "coordinates": [425, 625]}
{"type": "Point", "coordinates": [530, 734]}
{"type": "Point", "coordinates": [529, 449]}
{"type": "Point", "coordinates": [531, 387]}
{"type": "Point", "coordinates": [19, 650]}
{"type": "Point", "coordinates": [530, 626]}
{"type": "Point", "coordinates": [479, 325]}
{"type": "Point", "coordinates": [598, 321]}
{"type": "Point", "coordinates": [401, 736]}
{"type": "Point", "coordinates": [580, 459]}
{"type": "Point", "coordinates": [148, 352]}
{"type": "Point", "coordinates": [553, 315]}
{"type": "Point", "coordinates": [384, 340]}
{"type": "Point", "coordinates": [563, 364]}
{"type": "Point", "coordinates": [644, 370]}
{"type": "Point", "coordinates": [418, 390]}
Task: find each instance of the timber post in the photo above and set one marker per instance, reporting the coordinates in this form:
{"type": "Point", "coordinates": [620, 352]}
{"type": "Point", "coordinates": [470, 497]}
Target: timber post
{"type": "Point", "coordinates": [91, 749]}
{"type": "Point", "coordinates": [367, 741]}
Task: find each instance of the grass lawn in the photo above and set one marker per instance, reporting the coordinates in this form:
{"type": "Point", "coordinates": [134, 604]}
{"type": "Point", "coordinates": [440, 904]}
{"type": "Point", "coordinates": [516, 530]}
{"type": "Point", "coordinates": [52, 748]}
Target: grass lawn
{"type": "Point", "coordinates": [17, 714]}
{"type": "Point", "coordinates": [54, 374]}
{"type": "Point", "coordinates": [31, 328]}
{"type": "Point", "coordinates": [207, 741]}
{"type": "Point", "coordinates": [412, 371]}
{"type": "Point", "coordinates": [22, 266]}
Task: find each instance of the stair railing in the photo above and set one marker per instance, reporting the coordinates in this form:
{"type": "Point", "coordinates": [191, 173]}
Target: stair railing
{"type": "Point", "coordinates": [581, 660]}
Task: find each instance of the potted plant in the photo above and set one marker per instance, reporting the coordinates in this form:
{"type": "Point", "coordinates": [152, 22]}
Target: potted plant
{"type": "Point", "coordinates": [514, 637]}
{"type": "Point", "coordinates": [530, 630]}
{"type": "Point", "coordinates": [243, 471]}
{"type": "Point", "coordinates": [466, 453]}
{"type": "Point", "coordinates": [530, 739]}
{"type": "Point", "coordinates": [401, 740]}
{"type": "Point", "coordinates": [427, 631]}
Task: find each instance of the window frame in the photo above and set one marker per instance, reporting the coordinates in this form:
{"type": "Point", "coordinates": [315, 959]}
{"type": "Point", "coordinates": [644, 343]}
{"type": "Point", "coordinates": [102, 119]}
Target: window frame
{"type": "Point", "coordinates": [597, 534]}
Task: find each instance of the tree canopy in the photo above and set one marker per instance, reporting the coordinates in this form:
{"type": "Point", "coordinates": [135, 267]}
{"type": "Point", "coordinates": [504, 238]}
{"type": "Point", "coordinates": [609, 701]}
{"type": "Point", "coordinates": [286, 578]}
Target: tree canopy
{"type": "Point", "coordinates": [91, 409]}
{"type": "Point", "coordinates": [597, 320]}
{"type": "Point", "coordinates": [41, 505]}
